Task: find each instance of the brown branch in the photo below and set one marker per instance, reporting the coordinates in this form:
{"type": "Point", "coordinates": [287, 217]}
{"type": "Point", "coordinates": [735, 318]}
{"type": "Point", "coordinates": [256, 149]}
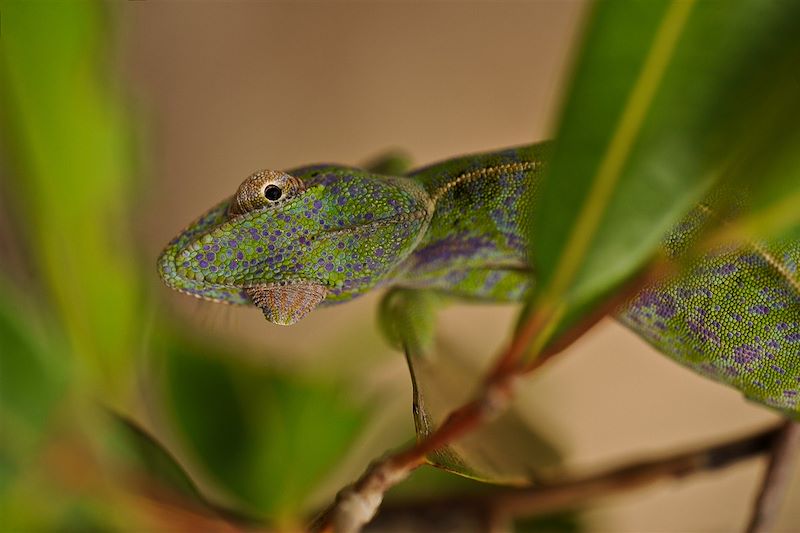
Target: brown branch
{"type": "Point", "coordinates": [356, 504]}
{"type": "Point", "coordinates": [785, 449]}
{"type": "Point", "coordinates": [570, 493]}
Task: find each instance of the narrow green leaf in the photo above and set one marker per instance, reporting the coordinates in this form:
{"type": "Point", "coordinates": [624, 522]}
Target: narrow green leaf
{"type": "Point", "coordinates": [664, 102]}
{"type": "Point", "coordinates": [68, 141]}
{"type": "Point", "coordinates": [266, 437]}
{"type": "Point", "coordinates": [33, 377]}
{"type": "Point", "coordinates": [142, 453]}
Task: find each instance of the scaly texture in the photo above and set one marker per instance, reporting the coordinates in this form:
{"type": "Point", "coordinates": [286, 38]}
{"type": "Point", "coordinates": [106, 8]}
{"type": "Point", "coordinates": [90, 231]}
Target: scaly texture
{"type": "Point", "coordinates": [457, 228]}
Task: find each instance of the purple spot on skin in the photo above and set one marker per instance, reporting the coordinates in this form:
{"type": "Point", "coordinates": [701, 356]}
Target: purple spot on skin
{"type": "Point", "coordinates": [745, 354]}
{"type": "Point", "coordinates": [664, 304]}
{"type": "Point", "coordinates": [368, 216]}
{"type": "Point", "coordinates": [260, 250]}
{"type": "Point", "coordinates": [213, 268]}
{"type": "Point", "coordinates": [186, 264]}
{"type": "Point", "coordinates": [203, 264]}
{"type": "Point", "coordinates": [793, 337]}
{"type": "Point", "coordinates": [198, 257]}
{"type": "Point", "coordinates": [328, 266]}
{"type": "Point", "coordinates": [379, 252]}
{"type": "Point", "coordinates": [726, 269]}
{"type": "Point", "coordinates": [317, 204]}
{"type": "Point", "coordinates": [265, 232]}
{"type": "Point", "coordinates": [341, 200]}
{"type": "Point", "coordinates": [278, 232]}
{"type": "Point", "coordinates": [215, 248]}
{"type": "Point", "coordinates": [790, 393]}
{"type": "Point", "coordinates": [233, 265]}
{"type": "Point", "coordinates": [272, 238]}
{"type": "Point", "coordinates": [340, 245]}
{"type": "Point", "coordinates": [211, 256]}
{"type": "Point", "coordinates": [759, 309]}
{"type": "Point", "coordinates": [233, 244]}
{"type": "Point", "coordinates": [699, 327]}
{"type": "Point", "coordinates": [239, 256]}
{"type": "Point", "coordinates": [339, 269]}
{"type": "Point", "coordinates": [778, 369]}
{"type": "Point", "coordinates": [731, 370]}
{"type": "Point", "coordinates": [206, 247]}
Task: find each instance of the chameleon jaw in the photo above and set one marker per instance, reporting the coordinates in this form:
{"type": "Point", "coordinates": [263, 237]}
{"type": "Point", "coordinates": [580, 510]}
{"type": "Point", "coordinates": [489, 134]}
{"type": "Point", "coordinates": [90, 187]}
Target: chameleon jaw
{"type": "Point", "coordinates": [285, 304]}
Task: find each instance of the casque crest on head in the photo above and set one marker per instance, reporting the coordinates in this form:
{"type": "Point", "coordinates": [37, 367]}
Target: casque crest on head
{"type": "Point", "coordinates": [288, 242]}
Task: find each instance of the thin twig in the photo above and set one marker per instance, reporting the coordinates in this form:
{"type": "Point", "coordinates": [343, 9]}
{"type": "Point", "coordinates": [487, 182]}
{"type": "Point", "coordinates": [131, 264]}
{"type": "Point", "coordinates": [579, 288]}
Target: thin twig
{"type": "Point", "coordinates": [570, 493]}
{"type": "Point", "coordinates": [785, 449]}
{"type": "Point", "coordinates": [356, 504]}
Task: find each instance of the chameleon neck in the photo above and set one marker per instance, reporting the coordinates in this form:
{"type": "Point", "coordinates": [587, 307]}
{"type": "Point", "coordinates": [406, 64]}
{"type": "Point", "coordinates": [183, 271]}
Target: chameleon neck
{"type": "Point", "coordinates": [476, 236]}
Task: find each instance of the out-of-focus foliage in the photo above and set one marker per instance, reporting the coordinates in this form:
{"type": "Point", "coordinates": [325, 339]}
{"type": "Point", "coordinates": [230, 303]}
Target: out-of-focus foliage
{"type": "Point", "coordinates": [511, 449]}
{"type": "Point", "coordinates": [668, 98]}
{"type": "Point", "coordinates": [266, 437]}
{"type": "Point", "coordinates": [72, 181]}
{"type": "Point", "coordinates": [75, 338]}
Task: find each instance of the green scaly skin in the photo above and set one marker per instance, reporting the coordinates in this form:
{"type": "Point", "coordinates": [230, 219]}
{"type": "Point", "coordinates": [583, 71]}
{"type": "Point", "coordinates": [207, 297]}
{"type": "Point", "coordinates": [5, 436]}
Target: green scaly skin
{"type": "Point", "coordinates": [457, 228]}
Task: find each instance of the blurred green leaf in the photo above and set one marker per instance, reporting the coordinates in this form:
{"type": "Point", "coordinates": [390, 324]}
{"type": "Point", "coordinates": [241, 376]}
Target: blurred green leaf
{"type": "Point", "coordinates": [509, 449]}
{"type": "Point", "coordinates": [563, 522]}
{"type": "Point", "coordinates": [266, 437]}
{"type": "Point", "coordinates": [142, 453]}
{"type": "Point", "coordinates": [68, 139]}
{"type": "Point", "coordinates": [33, 376]}
{"type": "Point", "coordinates": [667, 99]}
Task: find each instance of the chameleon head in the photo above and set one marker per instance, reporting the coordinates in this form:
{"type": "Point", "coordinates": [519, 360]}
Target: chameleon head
{"type": "Point", "coordinates": [288, 242]}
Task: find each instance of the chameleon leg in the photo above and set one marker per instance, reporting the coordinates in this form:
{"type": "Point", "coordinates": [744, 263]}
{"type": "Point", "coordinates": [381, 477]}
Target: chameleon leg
{"type": "Point", "coordinates": [442, 381]}
{"type": "Point", "coordinates": [392, 163]}
{"type": "Point", "coordinates": [407, 318]}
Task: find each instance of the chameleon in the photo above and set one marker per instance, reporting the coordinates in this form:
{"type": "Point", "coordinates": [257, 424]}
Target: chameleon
{"type": "Point", "coordinates": [290, 241]}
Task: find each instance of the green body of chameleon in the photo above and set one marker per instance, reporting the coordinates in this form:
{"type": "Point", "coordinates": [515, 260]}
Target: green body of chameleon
{"type": "Point", "coordinates": [320, 235]}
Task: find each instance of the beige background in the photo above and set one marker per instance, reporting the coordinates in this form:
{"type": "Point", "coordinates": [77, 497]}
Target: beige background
{"type": "Point", "coordinates": [226, 88]}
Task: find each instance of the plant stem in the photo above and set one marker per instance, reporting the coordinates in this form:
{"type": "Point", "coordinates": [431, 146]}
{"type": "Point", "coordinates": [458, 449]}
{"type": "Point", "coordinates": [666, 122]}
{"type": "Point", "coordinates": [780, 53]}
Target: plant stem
{"type": "Point", "coordinates": [570, 492]}
{"type": "Point", "coordinates": [783, 455]}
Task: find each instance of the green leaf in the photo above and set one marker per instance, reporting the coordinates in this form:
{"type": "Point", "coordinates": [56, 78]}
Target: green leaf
{"type": "Point", "coordinates": [667, 99]}
{"type": "Point", "coordinates": [69, 143]}
{"type": "Point", "coordinates": [509, 449]}
{"type": "Point", "coordinates": [141, 452]}
{"type": "Point", "coordinates": [33, 376]}
{"type": "Point", "coordinates": [266, 437]}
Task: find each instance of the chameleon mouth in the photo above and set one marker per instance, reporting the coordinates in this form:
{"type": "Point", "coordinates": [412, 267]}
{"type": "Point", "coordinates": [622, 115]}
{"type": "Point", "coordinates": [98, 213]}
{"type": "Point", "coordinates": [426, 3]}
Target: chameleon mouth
{"type": "Point", "coordinates": [174, 262]}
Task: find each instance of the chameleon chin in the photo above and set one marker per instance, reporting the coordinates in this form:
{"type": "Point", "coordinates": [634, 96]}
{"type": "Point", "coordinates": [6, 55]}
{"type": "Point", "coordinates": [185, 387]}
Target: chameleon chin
{"type": "Point", "coordinates": [288, 242]}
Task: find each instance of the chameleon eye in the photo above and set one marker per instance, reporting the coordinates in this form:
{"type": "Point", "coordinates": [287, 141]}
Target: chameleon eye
{"type": "Point", "coordinates": [272, 192]}
{"type": "Point", "coordinates": [265, 188]}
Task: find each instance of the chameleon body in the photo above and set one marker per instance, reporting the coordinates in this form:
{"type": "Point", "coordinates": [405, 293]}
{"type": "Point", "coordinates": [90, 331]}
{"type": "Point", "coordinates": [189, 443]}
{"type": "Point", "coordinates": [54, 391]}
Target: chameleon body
{"type": "Point", "coordinates": [321, 235]}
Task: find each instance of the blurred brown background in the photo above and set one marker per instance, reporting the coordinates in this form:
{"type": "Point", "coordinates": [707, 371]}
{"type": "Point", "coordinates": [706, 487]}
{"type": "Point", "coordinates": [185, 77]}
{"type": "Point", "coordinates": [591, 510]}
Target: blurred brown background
{"type": "Point", "coordinates": [226, 88]}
